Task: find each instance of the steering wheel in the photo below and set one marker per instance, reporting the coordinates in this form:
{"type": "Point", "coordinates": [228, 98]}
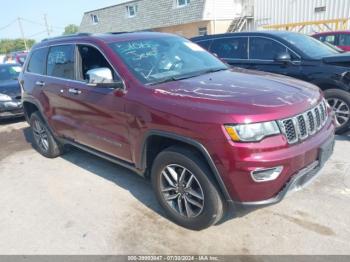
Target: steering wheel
{"type": "Point", "coordinates": [175, 64]}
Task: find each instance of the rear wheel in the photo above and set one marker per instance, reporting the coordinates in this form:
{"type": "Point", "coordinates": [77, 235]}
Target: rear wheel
{"type": "Point", "coordinates": [185, 190]}
{"type": "Point", "coordinates": [44, 141]}
{"type": "Point", "coordinates": [339, 101]}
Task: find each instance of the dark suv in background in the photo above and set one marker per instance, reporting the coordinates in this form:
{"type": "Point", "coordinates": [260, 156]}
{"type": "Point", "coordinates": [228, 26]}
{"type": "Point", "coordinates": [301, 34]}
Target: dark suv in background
{"type": "Point", "coordinates": [290, 54]}
{"type": "Point", "coordinates": [208, 137]}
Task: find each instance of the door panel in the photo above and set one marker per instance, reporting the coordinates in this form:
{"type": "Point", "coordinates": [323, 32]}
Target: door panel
{"type": "Point", "coordinates": [60, 72]}
{"type": "Point", "coordinates": [100, 119]}
{"type": "Point", "coordinates": [59, 107]}
{"type": "Point", "coordinates": [98, 113]}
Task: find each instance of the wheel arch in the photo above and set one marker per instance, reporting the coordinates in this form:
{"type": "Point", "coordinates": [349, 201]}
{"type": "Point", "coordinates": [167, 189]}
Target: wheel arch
{"type": "Point", "coordinates": [156, 141]}
{"type": "Point", "coordinates": [29, 108]}
{"type": "Point", "coordinates": [327, 84]}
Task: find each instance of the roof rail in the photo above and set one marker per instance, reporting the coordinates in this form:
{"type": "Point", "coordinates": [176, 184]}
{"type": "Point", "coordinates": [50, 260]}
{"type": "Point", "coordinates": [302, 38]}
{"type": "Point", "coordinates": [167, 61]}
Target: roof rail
{"type": "Point", "coordinates": [65, 36]}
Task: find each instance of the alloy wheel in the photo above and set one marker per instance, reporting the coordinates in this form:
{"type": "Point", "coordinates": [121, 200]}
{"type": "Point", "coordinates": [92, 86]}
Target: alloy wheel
{"type": "Point", "coordinates": [40, 135]}
{"type": "Point", "coordinates": [182, 191]}
{"type": "Point", "coordinates": [341, 110]}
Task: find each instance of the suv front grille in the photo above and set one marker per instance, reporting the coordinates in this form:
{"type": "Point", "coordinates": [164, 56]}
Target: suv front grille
{"type": "Point", "coordinates": [304, 125]}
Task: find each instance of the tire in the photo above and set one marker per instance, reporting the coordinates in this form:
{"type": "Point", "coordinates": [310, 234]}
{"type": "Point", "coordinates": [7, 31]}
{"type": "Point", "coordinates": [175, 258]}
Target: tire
{"type": "Point", "coordinates": [201, 185]}
{"type": "Point", "coordinates": [340, 99]}
{"type": "Point", "coordinates": [51, 147]}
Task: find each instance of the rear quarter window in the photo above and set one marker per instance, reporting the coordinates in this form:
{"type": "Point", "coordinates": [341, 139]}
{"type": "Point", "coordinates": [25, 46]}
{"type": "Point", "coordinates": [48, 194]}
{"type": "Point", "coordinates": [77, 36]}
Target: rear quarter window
{"type": "Point", "coordinates": [37, 62]}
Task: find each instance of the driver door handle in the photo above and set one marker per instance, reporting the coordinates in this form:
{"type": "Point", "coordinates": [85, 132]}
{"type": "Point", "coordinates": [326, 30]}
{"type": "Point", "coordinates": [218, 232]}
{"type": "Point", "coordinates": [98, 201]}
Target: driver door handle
{"type": "Point", "coordinates": [74, 91]}
{"type": "Point", "coordinates": [40, 83]}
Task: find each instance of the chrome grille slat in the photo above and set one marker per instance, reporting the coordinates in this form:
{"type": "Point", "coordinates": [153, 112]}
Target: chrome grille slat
{"type": "Point", "coordinates": [323, 116]}
{"type": "Point", "coordinates": [317, 117]}
{"type": "Point", "coordinates": [302, 126]}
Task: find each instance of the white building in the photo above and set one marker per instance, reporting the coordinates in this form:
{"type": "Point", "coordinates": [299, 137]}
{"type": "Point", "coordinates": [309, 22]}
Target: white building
{"type": "Point", "coordinates": [198, 17]}
{"type": "Point", "coordinates": [307, 16]}
{"type": "Point", "coordinates": [184, 17]}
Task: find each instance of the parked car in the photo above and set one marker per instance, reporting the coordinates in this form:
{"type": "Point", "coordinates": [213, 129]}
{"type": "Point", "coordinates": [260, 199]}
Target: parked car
{"type": "Point", "coordinates": [20, 56]}
{"type": "Point", "coordinates": [208, 137]}
{"type": "Point", "coordinates": [10, 91]}
{"type": "Point", "coordinates": [290, 54]}
{"type": "Point", "coordinates": [340, 39]}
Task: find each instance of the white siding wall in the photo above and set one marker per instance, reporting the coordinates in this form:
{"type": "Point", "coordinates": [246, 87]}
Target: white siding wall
{"type": "Point", "coordinates": [222, 9]}
{"type": "Point", "coordinates": [269, 12]}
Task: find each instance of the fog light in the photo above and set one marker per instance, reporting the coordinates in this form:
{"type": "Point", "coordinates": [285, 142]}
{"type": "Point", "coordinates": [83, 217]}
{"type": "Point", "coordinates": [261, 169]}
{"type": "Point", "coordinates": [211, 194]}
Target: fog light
{"type": "Point", "coordinates": [268, 174]}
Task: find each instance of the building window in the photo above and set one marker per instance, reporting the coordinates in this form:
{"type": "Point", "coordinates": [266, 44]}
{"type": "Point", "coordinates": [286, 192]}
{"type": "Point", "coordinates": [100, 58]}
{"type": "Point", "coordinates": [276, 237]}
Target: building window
{"type": "Point", "coordinates": [131, 10]}
{"type": "Point", "coordinates": [94, 19]}
{"type": "Point", "coordinates": [181, 3]}
{"type": "Point", "coordinates": [202, 31]}
{"type": "Point", "coordinates": [320, 9]}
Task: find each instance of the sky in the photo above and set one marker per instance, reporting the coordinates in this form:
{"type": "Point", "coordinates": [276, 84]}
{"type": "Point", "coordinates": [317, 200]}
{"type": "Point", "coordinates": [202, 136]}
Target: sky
{"type": "Point", "coordinates": [59, 14]}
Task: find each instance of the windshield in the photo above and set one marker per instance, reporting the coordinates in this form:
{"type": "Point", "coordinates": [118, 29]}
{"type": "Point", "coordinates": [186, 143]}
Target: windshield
{"type": "Point", "coordinates": [310, 46]}
{"type": "Point", "coordinates": [162, 59]}
{"type": "Point", "coordinates": [9, 72]}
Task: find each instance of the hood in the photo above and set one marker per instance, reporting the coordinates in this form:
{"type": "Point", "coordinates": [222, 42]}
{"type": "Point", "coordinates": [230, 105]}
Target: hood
{"type": "Point", "coordinates": [341, 59]}
{"type": "Point", "coordinates": [10, 88]}
{"type": "Point", "coordinates": [243, 92]}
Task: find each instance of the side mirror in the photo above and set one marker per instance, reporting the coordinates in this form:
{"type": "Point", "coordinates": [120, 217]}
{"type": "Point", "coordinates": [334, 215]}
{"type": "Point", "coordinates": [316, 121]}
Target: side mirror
{"type": "Point", "coordinates": [283, 58]}
{"type": "Point", "coordinates": [103, 77]}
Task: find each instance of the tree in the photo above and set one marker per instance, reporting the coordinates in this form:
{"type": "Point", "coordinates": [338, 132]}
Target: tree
{"type": "Point", "coordinates": [70, 29]}
{"type": "Point", "coordinates": [12, 45]}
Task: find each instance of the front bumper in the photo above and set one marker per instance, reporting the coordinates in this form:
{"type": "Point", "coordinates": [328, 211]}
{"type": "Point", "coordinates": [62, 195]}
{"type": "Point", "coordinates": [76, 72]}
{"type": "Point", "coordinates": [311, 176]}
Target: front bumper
{"type": "Point", "coordinates": [11, 109]}
{"type": "Point", "coordinates": [300, 180]}
{"type": "Point", "coordinates": [236, 161]}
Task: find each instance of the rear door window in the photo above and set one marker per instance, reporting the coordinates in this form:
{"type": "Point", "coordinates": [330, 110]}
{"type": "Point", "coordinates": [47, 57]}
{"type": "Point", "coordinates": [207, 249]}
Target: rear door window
{"type": "Point", "coordinates": [60, 61]}
{"type": "Point", "coordinates": [344, 40]}
{"type": "Point", "coordinates": [264, 48]}
{"type": "Point", "coordinates": [231, 48]}
{"type": "Point", "coordinates": [37, 63]}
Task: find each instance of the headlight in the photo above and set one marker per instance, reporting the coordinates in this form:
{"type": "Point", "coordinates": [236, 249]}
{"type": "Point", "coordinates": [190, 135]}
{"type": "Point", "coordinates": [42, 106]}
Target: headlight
{"type": "Point", "coordinates": [252, 132]}
{"type": "Point", "coordinates": [5, 98]}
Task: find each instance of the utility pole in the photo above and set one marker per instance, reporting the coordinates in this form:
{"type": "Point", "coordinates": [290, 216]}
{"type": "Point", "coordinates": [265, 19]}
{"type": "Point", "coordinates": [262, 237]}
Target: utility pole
{"type": "Point", "coordinates": [46, 25]}
{"type": "Point", "coordinates": [22, 33]}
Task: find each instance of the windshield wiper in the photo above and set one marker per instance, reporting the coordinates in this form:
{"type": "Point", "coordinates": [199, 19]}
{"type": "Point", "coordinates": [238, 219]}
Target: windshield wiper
{"type": "Point", "coordinates": [189, 75]}
{"type": "Point", "coordinates": [163, 80]}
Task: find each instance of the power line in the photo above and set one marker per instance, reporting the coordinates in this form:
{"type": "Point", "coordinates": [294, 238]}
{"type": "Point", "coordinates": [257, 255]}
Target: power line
{"type": "Point", "coordinates": [40, 24]}
{"type": "Point", "coordinates": [8, 25]}
{"type": "Point", "coordinates": [36, 34]}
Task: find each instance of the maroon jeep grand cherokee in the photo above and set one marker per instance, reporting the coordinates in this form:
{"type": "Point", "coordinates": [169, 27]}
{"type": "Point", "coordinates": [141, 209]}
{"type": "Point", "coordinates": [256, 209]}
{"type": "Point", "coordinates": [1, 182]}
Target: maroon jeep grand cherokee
{"type": "Point", "coordinates": [207, 136]}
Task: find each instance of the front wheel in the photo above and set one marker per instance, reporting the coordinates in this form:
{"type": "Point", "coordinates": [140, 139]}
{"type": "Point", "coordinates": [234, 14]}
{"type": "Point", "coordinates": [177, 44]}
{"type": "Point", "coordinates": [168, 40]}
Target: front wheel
{"type": "Point", "coordinates": [185, 189]}
{"type": "Point", "coordinates": [339, 101]}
